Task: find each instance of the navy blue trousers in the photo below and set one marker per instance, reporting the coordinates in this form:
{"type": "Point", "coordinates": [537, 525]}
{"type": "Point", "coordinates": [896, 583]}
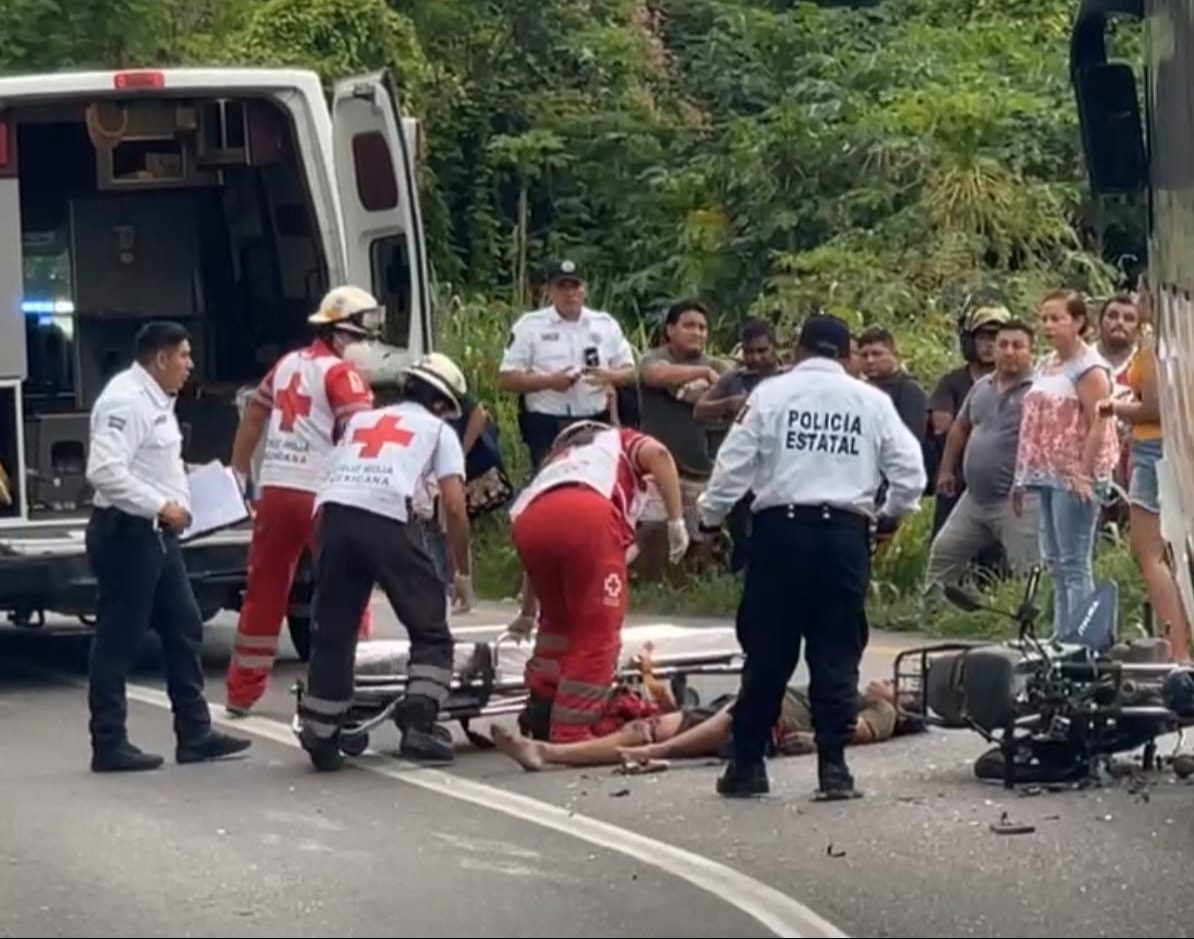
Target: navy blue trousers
{"type": "Point", "coordinates": [142, 584]}
{"type": "Point", "coordinates": [805, 588]}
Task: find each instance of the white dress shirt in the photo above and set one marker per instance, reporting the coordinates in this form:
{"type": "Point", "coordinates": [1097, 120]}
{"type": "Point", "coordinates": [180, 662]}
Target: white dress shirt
{"type": "Point", "coordinates": [544, 342]}
{"type": "Point", "coordinates": [815, 436]}
{"type": "Point", "coordinates": [134, 461]}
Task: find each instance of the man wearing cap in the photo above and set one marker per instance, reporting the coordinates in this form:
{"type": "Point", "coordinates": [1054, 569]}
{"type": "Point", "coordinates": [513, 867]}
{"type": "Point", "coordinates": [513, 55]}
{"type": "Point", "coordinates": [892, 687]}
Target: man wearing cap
{"type": "Point", "coordinates": [815, 445]}
{"type": "Point", "coordinates": [365, 537]}
{"type": "Point", "coordinates": [565, 361]}
{"type": "Point", "coordinates": [977, 332]}
{"type": "Point", "coordinates": [299, 407]}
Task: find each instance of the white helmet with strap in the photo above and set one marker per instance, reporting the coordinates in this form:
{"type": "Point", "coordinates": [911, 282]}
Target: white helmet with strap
{"type": "Point", "coordinates": [441, 373]}
{"type": "Point", "coordinates": [351, 310]}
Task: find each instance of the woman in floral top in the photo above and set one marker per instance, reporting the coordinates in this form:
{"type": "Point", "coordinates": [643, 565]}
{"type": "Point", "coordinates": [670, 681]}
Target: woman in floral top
{"type": "Point", "coordinates": [1067, 453]}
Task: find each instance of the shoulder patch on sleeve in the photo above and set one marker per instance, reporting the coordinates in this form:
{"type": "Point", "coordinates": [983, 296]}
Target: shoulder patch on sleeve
{"type": "Point", "coordinates": [117, 423]}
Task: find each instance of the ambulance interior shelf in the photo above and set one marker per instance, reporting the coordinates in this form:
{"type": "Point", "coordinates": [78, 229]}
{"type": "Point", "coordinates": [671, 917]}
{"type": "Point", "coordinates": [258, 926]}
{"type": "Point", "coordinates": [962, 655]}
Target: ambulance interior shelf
{"type": "Point", "coordinates": [104, 251]}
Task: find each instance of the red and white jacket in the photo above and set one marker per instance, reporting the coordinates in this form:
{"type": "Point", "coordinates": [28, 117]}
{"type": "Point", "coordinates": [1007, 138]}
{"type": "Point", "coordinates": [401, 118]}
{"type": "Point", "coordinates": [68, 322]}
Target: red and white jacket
{"type": "Point", "coordinates": [309, 393]}
{"type": "Point", "coordinates": [608, 465]}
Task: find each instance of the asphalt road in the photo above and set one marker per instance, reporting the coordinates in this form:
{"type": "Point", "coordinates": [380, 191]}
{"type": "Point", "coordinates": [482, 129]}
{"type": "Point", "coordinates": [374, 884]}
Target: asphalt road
{"type": "Point", "coordinates": [261, 846]}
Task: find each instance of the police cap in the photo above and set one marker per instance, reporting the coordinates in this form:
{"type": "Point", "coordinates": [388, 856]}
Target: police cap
{"type": "Point", "coordinates": [827, 335]}
{"type": "Point", "coordinates": [564, 270]}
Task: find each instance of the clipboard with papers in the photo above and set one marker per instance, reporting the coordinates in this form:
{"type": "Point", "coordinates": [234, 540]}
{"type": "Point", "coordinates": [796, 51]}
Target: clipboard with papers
{"type": "Point", "coordinates": [217, 501]}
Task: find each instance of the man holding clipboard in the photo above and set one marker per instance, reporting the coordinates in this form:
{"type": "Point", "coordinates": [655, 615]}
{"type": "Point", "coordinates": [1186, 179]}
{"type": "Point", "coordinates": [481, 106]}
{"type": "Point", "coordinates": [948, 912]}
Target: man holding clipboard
{"type": "Point", "coordinates": [142, 504]}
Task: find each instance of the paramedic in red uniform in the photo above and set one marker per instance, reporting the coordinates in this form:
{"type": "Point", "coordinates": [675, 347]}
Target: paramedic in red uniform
{"type": "Point", "coordinates": [572, 528]}
{"type": "Point", "coordinates": [299, 405]}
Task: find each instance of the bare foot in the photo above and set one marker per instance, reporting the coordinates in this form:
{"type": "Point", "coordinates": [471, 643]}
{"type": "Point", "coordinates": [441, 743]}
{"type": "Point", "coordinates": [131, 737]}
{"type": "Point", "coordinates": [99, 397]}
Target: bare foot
{"type": "Point", "coordinates": [526, 753]}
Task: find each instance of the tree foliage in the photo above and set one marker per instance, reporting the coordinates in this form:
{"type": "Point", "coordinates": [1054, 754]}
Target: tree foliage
{"type": "Point", "coordinates": [885, 159]}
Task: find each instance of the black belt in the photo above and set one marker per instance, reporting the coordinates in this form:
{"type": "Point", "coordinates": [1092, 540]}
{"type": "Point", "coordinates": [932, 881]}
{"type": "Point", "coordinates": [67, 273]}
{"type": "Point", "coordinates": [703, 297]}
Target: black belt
{"type": "Point", "coordinates": [816, 513]}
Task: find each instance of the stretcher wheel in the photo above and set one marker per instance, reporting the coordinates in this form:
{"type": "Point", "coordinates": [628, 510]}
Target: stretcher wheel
{"type": "Point", "coordinates": [354, 745]}
{"type": "Point", "coordinates": [1183, 765]}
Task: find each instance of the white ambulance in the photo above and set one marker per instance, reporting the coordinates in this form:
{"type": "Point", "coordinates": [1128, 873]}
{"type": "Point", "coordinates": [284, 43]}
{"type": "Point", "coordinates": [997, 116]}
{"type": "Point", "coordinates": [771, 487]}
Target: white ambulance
{"type": "Point", "coordinates": [228, 200]}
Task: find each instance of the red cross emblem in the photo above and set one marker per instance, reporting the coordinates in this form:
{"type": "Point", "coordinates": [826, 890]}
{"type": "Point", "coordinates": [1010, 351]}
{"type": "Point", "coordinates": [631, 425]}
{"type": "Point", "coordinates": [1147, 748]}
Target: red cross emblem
{"type": "Point", "coordinates": [386, 430]}
{"type": "Point", "coordinates": [292, 403]}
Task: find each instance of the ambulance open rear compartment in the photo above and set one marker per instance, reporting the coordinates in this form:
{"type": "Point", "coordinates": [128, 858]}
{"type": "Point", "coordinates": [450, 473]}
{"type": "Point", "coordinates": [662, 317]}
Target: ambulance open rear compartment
{"type": "Point", "coordinates": [114, 212]}
{"type": "Point", "coordinates": [229, 200]}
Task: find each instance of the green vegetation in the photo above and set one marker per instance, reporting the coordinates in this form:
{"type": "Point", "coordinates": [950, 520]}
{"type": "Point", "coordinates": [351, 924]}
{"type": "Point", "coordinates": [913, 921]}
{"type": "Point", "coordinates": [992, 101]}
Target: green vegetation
{"type": "Point", "coordinates": [883, 159]}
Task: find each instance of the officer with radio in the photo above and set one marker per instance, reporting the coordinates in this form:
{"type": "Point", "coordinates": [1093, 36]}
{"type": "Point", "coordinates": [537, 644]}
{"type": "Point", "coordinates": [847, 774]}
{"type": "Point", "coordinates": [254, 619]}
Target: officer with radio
{"type": "Point", "coordinates": [814, 445]}
{"type": "Point", "coordinates": [564, 361]}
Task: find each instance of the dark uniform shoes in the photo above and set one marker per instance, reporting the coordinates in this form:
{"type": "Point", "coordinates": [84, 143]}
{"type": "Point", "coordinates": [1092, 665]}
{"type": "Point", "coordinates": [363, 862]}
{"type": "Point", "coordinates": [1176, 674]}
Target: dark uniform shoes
{"type": "Point", "coordinates": [212, 745]}
{"type": "Point", "coordinates": [324, 751]}
{"type": "Point", "coordinates": [124, 758]}
{"type": "Point", "coordinates": [835, 780]}
{"type": "Point", "coordinates": [744, 781]}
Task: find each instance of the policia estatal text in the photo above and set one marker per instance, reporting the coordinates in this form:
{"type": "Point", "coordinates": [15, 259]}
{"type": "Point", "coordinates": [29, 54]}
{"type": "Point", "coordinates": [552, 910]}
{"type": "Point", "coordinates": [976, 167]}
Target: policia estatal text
{"type": "Point", "coordinates": [142, 502]}
{"type": "Point", "coordinates": [814, 445]}
{"type": "Point", "coordinates": [364, 537]}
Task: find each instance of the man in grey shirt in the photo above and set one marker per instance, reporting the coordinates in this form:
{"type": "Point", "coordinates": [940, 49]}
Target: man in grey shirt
{"type": "Point", "coordinates": [985, 436]}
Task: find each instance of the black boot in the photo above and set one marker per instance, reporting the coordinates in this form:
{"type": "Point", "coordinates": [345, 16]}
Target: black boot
{"type": "Point", "coordinates": [422, 740]}
{"type": "Point", "coordinates": [834, 778]}
{"type": "Point", "coordinates": [211, 745]}
{"type": "Point", "coordinates": [324, 751]}
{"type": "Point", "coordinates": [123, 758]}
{"type": "Point", "coordinates": [743, 781]}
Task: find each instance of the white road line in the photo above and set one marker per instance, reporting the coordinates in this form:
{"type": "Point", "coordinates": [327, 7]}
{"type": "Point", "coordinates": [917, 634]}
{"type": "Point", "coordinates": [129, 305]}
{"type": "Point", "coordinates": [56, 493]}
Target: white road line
{"type": "Point", "coordinates": [776, 911]}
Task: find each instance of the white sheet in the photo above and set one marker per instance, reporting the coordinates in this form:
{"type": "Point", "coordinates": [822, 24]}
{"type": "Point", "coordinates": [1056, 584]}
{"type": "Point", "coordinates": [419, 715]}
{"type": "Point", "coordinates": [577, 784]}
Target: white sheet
{"type": "Point", "coordinates": [390, 656]}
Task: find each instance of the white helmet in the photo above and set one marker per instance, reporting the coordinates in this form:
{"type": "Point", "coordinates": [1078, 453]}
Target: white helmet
{"type": "Point", "coordinates": [442, 374]}
{"type": "Point", "coordinates": [350, 309]}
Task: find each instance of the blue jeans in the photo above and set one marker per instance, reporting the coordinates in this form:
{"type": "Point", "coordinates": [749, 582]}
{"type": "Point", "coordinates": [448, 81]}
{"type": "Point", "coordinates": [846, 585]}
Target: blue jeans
{"type": "Point", "coordinates": [1067, 527]}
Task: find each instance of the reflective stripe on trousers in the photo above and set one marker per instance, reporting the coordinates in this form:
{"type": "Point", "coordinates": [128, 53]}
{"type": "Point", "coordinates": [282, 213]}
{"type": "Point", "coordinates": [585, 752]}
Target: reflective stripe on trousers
{"type": "Point", "coordinates": [282, 528]}
{"type": "Point", "coordinates": [322, 716]}
{"type": "Point", "coordinates": [429, 681]}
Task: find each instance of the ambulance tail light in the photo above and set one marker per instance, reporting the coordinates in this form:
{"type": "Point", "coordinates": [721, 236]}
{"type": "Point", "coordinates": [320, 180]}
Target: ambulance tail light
{"type": "Point", "coordinates": [138, 80]}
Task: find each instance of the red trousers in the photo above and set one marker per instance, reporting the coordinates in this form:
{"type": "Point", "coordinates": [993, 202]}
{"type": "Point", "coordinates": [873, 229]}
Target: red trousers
{"type": "Point", "coordinates": [283, 525]}
{"type": "Point", "coordinates": [570, 543]}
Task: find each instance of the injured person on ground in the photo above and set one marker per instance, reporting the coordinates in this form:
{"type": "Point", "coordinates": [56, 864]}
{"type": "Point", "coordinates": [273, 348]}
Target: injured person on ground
{"type": "Point", "coordinates": [705, 731]}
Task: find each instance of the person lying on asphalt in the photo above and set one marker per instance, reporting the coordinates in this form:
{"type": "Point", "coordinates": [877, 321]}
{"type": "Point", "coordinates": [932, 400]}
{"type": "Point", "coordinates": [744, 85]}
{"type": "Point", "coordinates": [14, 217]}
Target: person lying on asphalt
{"type": "Point", "coordinates": [705, 731]}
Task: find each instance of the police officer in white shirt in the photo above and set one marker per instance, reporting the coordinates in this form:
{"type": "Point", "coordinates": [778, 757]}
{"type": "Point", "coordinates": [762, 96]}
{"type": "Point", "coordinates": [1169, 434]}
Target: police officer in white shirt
{"type": "Point", "coordinates": [364, 536]}
{"type": "Point", "coordinates": [142, 501]}
{"type": "Point", "coordinates": [565, 361]}
{"type": "Point", "coordinates": [814, 445]}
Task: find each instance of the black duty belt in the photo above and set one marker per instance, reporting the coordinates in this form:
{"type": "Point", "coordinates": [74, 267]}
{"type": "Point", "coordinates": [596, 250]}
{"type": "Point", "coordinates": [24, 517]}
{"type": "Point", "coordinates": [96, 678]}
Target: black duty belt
{"type": "Point", "coordinates": [815, 513]}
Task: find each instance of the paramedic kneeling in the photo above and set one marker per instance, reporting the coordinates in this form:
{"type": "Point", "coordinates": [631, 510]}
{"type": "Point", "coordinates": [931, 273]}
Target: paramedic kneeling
{"type": "Point", "coordinates": [572, 527]}
{"type": "Point", "coordinates": [142, 502]}
{"type": "Point", "coordinates": [815, 445]}
{"type": "Point", "coordinates": [363, 538]}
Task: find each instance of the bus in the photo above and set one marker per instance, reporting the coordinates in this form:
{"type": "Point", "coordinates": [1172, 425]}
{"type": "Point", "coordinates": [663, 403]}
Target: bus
{"type": "Point", "coordinates": [1137, 128]}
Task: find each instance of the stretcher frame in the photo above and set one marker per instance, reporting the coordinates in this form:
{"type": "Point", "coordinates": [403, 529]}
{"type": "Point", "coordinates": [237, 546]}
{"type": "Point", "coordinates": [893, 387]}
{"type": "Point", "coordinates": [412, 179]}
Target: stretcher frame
{"type": "Point", "coordinates": [485, 694]}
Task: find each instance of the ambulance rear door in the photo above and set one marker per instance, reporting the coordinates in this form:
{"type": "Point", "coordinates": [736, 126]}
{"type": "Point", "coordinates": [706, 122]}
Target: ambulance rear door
{"type": "Point", "coordinates": [376, 173]}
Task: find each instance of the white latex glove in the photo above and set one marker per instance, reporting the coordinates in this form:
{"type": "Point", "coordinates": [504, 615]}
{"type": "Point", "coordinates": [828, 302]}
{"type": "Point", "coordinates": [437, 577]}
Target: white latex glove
{"type": "Point", "coordinates": [631, 553]}
{"type": "Point", "coordinates": [464, 597]}
{"type": "Point", "coordinates": [677, 540]}
{"type": "Point", "coordinates": [523, 626]}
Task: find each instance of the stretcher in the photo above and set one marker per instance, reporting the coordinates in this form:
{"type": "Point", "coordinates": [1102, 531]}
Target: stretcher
{"type": "Point", "coordinates": [489, 677]}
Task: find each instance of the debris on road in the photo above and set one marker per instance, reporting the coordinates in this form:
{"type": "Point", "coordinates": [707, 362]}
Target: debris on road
{"type": "Point", "coordinates": [641, 768]}
{"type": "Point", "coordinates": [833, 852]}
{"type": "Point", "coordinates": [1006, 827]}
